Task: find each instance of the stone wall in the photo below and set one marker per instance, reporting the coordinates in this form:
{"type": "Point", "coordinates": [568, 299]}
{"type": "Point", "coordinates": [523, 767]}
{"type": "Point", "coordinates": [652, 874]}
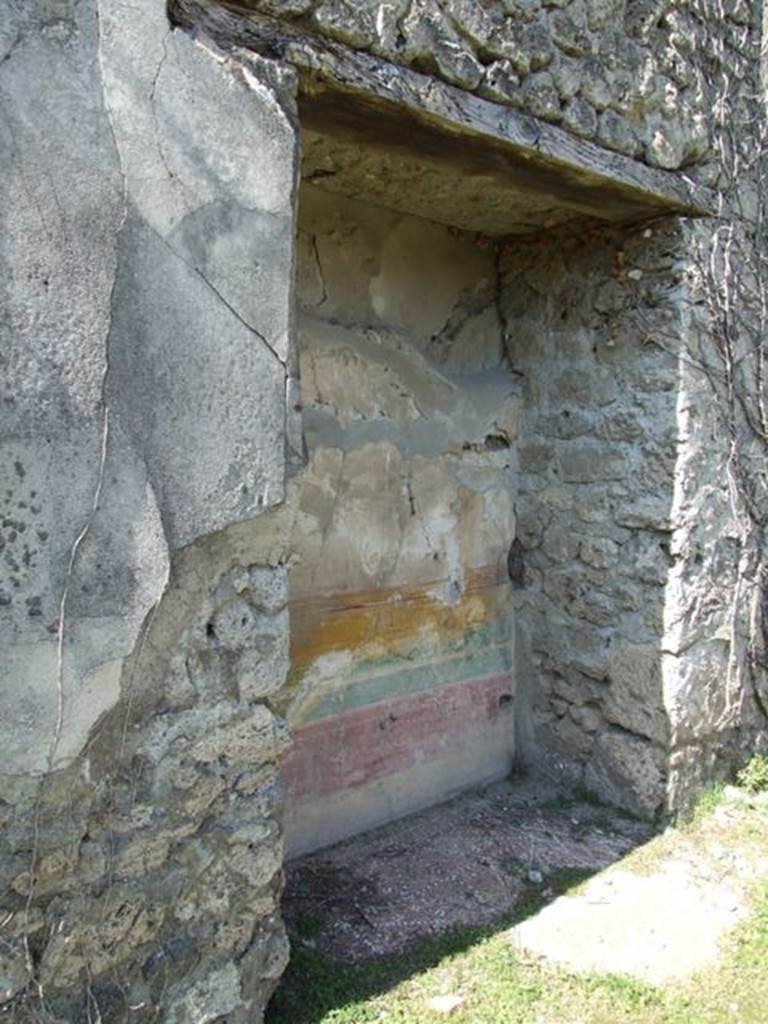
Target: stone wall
{"type": "Point", "coordinates": [639, 618]}
{"type": "Point", "coordinates": [715, 681]}
{"type": "Point", "coordinates": [629, 622]}
{"type": "Point", "coordinates": [715, 722]}
{"type": "Point", "coordinates": [140, 850]}
{"type": "Point", "coordinates": [623, 73]}
{"type": "Point", "coordinates": [147, 874]}
{"type": "Point", "coordinates": [593, 327]}
{"type": "Point", "coordinates": [400, 690]}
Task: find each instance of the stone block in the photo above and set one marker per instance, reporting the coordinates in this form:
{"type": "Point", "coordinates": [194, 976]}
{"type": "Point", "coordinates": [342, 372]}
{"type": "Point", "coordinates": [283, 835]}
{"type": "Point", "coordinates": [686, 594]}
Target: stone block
{"type": "Point", "coordinates": [263, 668]}
{"type": "Point", "coordinates": [213, 997]}
{"type": "Point", "coordinates": [284, 8]}
{"type": "Point", "coordinates": [506, 44]}
{"type": "Point", "coordinates": [601, 13]}
{"type": "Point", "coordinates": [595, 86]}
{"type": "Point", "coordinates": [566, 424]}
{"type": "Point", "coordinates": [615, 132]}
{"type": "Point", "coordinates": [587, 717]}
{"type": "Point", "coordinates": [626, 771]}
{"type": "Point", "coordinates": [587, 385]}
{"type": "Point", "coordinates": [501, 83]}
{"type": "Point", "coordinates": [646, 557]}
{"type": "Point", "coordinates": [532, 519]}
{"type": "Point", "coordinates": [635, 699]}
{"type": "Point", "coordinates": [599, 552]}
{"type": "Point", "coordinates": [571, 738]}
{"type": "Point", "coordinates": [595, 608]}
{"type": "Point", "coordinates": [583, 463]}
{"type": "Point", "coordinates": [666, 145]}
{"type": "Point", "coordinates": [568, 34]}
{"type": "Point", "coordinates": [472, 20]}
{"type": "Point", "coordinates": [351, 23]}
{"type": "Point", "coordinates": [244, 741]}
{"type": "Point", "coordinates": [561, 544]}
{"type": "Point", "coordinates": [142, 855]}
{"type": "Point", "coordinates": [535, 456]}
{"type": "Point", "coordinates": [14, 974]}
{"type": "Point", "coordinates": [580, 118]}
{"type": "Point", "coordinates": [536, 41]}
{"type": "Point", "coordinates": [644, 514]}
{"type": "Point", "coordinates": [622, 425]}
{"type": "Point", "coordinates": [256, 863]}
{"type": "Point", "coordinates": [540, 96]}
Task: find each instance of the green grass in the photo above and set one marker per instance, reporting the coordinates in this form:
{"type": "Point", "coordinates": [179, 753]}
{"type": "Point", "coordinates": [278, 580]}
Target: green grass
{"type": "Point", "coordinates": [499, 985]}
{"type": "Point", "coordinates": [708, 801]}
{"type": "Point", "coordinates": [318, 989]}
{"type": "Point", "coordinates": [754, 775]}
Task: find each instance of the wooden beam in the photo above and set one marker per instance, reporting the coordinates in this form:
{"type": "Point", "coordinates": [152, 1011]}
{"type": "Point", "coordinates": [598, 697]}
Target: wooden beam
{"type": "Point", "coordinates": [364, 100]}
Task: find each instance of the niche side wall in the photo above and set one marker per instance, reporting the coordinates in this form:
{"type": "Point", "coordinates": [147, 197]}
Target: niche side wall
{"type": "Point", "coordinates": [401, 689]}
{"type": "Point", "coordinates": [596, 326]}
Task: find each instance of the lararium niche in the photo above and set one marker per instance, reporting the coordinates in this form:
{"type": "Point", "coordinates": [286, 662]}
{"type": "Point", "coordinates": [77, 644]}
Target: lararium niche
{"type": "Point", "coordinates": [403, 687]}
{"type": "Point", "coordinates": [400, 601]}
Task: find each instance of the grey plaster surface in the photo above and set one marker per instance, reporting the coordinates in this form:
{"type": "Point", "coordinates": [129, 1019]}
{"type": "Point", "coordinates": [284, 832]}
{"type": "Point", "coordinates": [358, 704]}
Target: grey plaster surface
{"type": "Point", "coordinates": [146, 250]}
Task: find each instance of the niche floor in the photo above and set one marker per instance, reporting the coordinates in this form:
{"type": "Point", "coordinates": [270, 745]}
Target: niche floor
{"type": "Point", "coordinates": [469, 862]}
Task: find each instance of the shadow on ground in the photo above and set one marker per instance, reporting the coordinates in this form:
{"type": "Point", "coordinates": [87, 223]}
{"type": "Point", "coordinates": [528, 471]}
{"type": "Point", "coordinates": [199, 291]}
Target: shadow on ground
{"type": "Point", "coordinates": [370, 912]}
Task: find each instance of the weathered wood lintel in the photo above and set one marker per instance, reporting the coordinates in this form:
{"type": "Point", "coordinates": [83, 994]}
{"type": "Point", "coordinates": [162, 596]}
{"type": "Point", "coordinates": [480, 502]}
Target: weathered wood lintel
{"type": "Point", "coordinates": [375, 105]}
{"type": "Point", "coordinates": [361, 97]}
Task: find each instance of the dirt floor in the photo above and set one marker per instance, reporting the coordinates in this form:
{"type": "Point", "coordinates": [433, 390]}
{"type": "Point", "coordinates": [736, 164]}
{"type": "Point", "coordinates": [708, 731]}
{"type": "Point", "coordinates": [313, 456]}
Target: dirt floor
{"type": "Point", "coordinates": [467, 862]}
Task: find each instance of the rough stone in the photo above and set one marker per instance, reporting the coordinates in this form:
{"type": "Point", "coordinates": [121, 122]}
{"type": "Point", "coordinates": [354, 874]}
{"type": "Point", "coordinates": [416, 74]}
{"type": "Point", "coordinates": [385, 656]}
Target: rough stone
{"type": "Point", "coordinates": [599, 552]}
{"type": "Point", "coordinates": [13, 970]}
{"type": "Point", "coordinates": [616, 133]}
{"type": "Point", "coordinates": [561, 545]}
{"type": "Point", "coordinates": [595, 627]}
{"type": "Point", "coordinates": [666, 145]}
{"type": "Point", "coordinates": [625, 73]}
{"type": "Point", "coordinates": [567, 34]}
{"type": "Point", "coordinates": [635, 699]}
{"type": "Point", "coordinates": [501, 83]}
{"type": "Point", "coordinates": [350, 23]}
{"type": "Point", "coordinates": [583, 463]}
{"type": "Point", "coordinates": [624, 770]}
{"type": "Point", "coordinates": [541, 97]}
{"type": "Point", "coordinates": [209, 999]}
{"type": "Point", "coordinates": [566, 74]}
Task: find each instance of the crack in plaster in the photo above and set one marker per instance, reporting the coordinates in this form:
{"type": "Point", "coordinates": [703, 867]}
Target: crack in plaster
{"type": "Point", "coordinates": [215, 291]}
{"type": "Point", "coordinates": [236, 68]}
{"type": "Point", "coordinates": [316, 253]}
{"type": "Point", "coordinates": [83, 533]}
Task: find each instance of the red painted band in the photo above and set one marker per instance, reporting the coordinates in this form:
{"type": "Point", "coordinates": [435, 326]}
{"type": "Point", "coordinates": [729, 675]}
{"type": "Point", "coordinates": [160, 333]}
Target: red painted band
{"type": "Point", "coordinates": [369, 743]}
